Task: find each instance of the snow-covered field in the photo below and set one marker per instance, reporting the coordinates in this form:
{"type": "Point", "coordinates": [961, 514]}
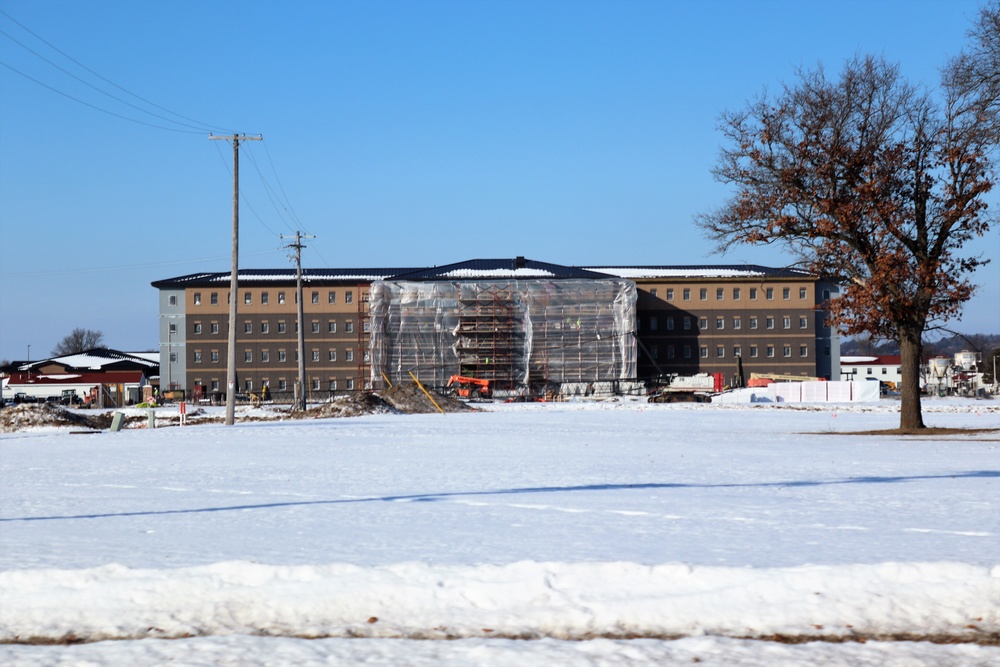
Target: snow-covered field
{"type": "Point", "coordinates": [558, 534]}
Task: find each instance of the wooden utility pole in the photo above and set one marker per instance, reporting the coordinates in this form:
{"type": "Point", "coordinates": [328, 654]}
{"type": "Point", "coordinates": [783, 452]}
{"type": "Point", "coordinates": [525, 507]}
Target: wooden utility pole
{"type": "Point", "coordinates": [233, 277]}
{"type": "Point", "coordinates": [300, 397]}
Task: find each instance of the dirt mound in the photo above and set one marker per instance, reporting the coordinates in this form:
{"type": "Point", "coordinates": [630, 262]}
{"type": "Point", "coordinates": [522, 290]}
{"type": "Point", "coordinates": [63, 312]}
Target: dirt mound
{"type": "Point", "coordinates": [409, 398]}
{"type": "Point", "coordinates": [353, 405]}
{"type": "Point", "coordinates": [32, 415]}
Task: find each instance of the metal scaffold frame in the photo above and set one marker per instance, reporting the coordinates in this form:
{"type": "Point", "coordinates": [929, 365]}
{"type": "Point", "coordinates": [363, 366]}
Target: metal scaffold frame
{"type": "Point", "coordinates": [520, 334]}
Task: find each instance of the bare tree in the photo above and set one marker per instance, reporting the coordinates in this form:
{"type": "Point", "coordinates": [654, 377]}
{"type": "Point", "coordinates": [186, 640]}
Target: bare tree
{"type": "Point", "coordinates": [78, 341]}
{"type": "Point", "coordinates": [874, 183]}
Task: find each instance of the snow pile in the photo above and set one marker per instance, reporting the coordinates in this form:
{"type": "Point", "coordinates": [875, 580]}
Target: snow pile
{"type": "Point", "coordinates": [526, 600]}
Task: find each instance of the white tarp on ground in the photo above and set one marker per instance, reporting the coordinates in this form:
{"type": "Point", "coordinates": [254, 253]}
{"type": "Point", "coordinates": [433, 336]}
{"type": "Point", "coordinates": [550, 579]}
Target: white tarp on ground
{"type": "Point", "coordinates": [804, 392]}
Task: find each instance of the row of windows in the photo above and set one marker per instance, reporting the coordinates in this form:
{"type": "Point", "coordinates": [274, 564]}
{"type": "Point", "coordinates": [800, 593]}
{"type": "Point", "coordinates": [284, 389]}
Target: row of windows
{"type": "Point", "coordinates": [753, 322]}
{"type": "Point", "coordinates": [687, 351]}
{"type": "Point", "coordinates": [265, 327]}
{"type": "Point", "coordinates": [315, 383]}
{"type": "Point", "coordinates": [720, 293]}
{"type": "Point", "coordinates": [265, 297]}
{"type": "Point", "coordinates": [282, 356]}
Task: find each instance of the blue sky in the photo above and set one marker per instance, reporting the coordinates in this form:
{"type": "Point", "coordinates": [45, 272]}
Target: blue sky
{"type": "Point", "coordinates": [398, 133]}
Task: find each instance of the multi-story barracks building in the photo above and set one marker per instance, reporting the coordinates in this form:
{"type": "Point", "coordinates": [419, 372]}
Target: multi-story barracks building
{"type": "Point", "coordinates": [523, 324]}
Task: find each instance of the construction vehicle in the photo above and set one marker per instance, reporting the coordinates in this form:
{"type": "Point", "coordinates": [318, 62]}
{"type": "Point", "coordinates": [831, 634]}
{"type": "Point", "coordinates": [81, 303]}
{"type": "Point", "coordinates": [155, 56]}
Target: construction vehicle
{"type": "Point", "coordinates": [688, 388]}
{"type": "Point", "coordinates": [466, 387]}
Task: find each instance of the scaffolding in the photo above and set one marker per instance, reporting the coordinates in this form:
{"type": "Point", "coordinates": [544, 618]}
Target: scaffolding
{"type": "Point", "coordinates": [523, 335]}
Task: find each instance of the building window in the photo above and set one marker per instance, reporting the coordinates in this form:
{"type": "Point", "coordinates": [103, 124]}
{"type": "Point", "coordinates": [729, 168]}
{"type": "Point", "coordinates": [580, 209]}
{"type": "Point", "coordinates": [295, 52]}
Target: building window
{"type": "Point", "coordinates": [803, 350]}
{"type": "Point", "coordinates": [281, 327]}
{"type": "Point", "coordinates": [670, 351]}
{"type": "Point", "coordinates": [348, 355]}
{"type": "Point", "coordinates": [753, 321]}
{"type": "Point", "coordinates": [197, 356]}
{"type": "Point", "coordinates": [282, 385]}
{"type": "Point", "coordinates": [214, 356]}
{"type": "Point", "coordinates": [315, 355]}
{"type": "Point", "coordinates": [315, 327]}
{"type": "Point", "coordinates": [720, 351]}
{"type": "Point", "coordinates": [787, 351]}
{"type": "Point", "coordinates": [670, 324]}
{"type": "Point", "coordinates": [331, 327]}
{"type": "Point", "coordinates": [315, 299]}
{"type": "Point", "coordinates": [213, 298]}
{"type": "Point", "coordinates": [786, 322]}
{"type": "Point", "coordinates": [281, 297]}
{"type": "Point", "coordinates": [687, 351]}
{"type": "Point", "coordinates": [718, 293]}
{"type": "Point", "coordinates": [753, 351]}
{"type": "Point", "coordinates": [769, 294]}
{"type": "Point", "coordinates": [803, 322]}
{"type": "Point", "coordinates": [652, 293]}
{"type": "Point", "coordinates": [172, 299]}
{"type": "Point", "coordinates": [197, 298]}
{"type": "Point", "coordinates": [248, 356]}
{"type": "Point", "coordinates": [737, 322]}
{"type": "Point", "coordinates": [247, 298]}
{"type": "Point", "coordinates": [263, 298]}
{"type": "Point", "coordinates": [348, 296]}
{"type": "Point", "coordinates": [215, 385]}
{"type": "Point", "coordinates": [703, 351]}
{"type": "Point", "coordinates": [331, 355]}
{"type": "Point", "coordinates": [265, 327]}
{"type": "Point", "coordinates": [331, 297]}
{"type": "Point", "coordinates": [248, 327]}
{"type": "Point", "coordinates": [737, 351]}
{"type": "Point", "coordinates": [265, 356]}
{"type": "Point", "coordinates": [720, 323]}
{"type": "Point", "coordinates": [687, 293]}
{"type": "Point", "coordinates": [172, 328]}
{"type": "Point", "coordinates": [770, 351]}
{"type": "Point", "coordinates": [315, 384]}
{"type": "Point", "coordinates": [703, 323]}
{"type": "Point", "coordinates": [652, 323]}
{"type": "Point", "coordinates": [349, 326]}
{"type": "Point", "coordinates": [826, 295]}
{"type": "Point", "coordinates": [736, 294]}
{"type": "Point", "coordinates": [366, 326]}
{"type": "Point", "coordinates": [802, 293]}
{"type": "Point", "coordinates": [350, 384]}
{"type": "Point", "coordinates": [670, 294]}
{"type": "Point", "coordinates": [786, 293]}
{"type": "Point", "coordinates": [282, 357]}
{"type": "Point", "coordinates": [687, 323]}
{"type": "Point", "coordinates": [214, 328]}
{"type": "Point", "coordinates": [333, 385]}
{"type": "Point", "coordinates": [770, 322]}
{"type": "Point", "coordinates": [885, 371]}
{"type": "Point", "coordinates": [703, 294]}
{"type": "Point", "coordinates": [753, 293]}
{"type": "Point", "coordinates": [654, 352]}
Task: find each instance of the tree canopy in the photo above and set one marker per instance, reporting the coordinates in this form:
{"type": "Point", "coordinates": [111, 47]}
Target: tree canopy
{"type": "Point", "coordinates": [875, 183]}
{"type": "Point", "coordinates": [78, 341]}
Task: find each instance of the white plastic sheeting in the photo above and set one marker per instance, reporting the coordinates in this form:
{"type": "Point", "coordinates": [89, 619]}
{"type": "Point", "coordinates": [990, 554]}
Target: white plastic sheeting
{"type": "Point", "coordinates": [804, 392]}
{"type": "Point", "coordinates": [519, 333]}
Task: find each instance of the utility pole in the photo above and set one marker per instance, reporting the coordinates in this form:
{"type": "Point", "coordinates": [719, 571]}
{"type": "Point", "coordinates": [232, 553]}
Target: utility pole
{"type": "Point", "coordinates": [300, 398]}
{"type": "Point", "coordinates": [233, 281]}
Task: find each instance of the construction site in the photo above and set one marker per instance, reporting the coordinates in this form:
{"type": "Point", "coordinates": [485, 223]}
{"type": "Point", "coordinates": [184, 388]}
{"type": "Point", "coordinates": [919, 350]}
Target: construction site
{"type": "Point", "coordinates": [522, 337]}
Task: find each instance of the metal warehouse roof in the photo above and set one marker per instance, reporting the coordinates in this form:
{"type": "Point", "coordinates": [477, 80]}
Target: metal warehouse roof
{"type": "Point", "coordinates": [473, 269]}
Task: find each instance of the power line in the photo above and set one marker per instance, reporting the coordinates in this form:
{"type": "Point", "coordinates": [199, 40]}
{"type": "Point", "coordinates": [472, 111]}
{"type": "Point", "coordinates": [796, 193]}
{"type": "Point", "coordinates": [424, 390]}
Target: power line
{"type": "Point", "coordinates": [93, 106]}
{"type": "Point", "coordinates": [199, 124]}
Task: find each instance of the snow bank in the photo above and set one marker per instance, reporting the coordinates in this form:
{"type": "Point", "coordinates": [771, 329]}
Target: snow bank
{"type": "Point", "coordinates": [525, 600]}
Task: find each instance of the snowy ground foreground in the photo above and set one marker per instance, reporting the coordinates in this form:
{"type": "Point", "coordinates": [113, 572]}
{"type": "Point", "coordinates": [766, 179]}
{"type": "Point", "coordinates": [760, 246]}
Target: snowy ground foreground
{"type": "Point", "coordinates": [693, 527]}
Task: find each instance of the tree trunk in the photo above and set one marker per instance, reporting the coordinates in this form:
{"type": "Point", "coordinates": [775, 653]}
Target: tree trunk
{"type": "Point", "coordinates": [910, 351]}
